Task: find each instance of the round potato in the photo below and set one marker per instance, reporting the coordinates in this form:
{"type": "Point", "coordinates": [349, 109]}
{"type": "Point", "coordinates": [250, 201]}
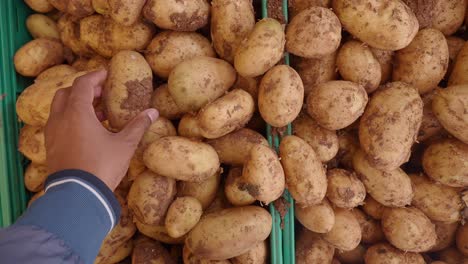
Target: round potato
{"type": "Point", "coordinates": [313, 33]}
{"type": "Point", "coordinates": [460, 68]}
{"type": "Point", "coordinates": [125, 12]}
{"type": "Point", "coordinates": [455, 44]}
{"type": "Point", "coordinates": [204, 192]}
{"type": "Point", "coordinates": [170, 48]}
{"type": "Point", "coordinates": [183, 214]}
{"type": "Point", "coordinates": [423, 63]}
{"type": "Point", "coordinates": [345, 190]}
{"type": "Point", "coordinates": [38, 55]}
{"type": "Point", "coordinates": [41, 26]}
{"type": "Point", "coordinates": [190, 258]}
{"type": "Point", "coordinates": [195, 82]}
{"type": "Point", "coordinates": [354, 256]}
{"type": "Point", "coordinates": [445, 235]}
{"type": "Point", "coordinates": [31, 143]}
{"type": "Point", "coordinates": [158, 233]}
{"type": "Point", "coordinates": [305, 175]}
{"type": "Point", "coordinates": [311, 248]}
{"type": "Point", "coordinates": [61, 70]}
{"type": "Point", "coordinates": [357, 63]}
{"type": "Point", "coordinates": [462, 239]}
{"type": "Point", "coordinates": [336, 104]}
{"type": "Point", "coordinates": [69, 30]}
{"type": "Point", "coordinates": [229, 233]}
{"type": "Point", "coordinates": [231, 22]}
{"type": "Point", "coordinates": [35, 176]}
{"type": "Point", "coordinates": [446, 161]}
{"type": "Point", "coordinates": [263, 175]}
{"type": "Point", "coordinates": [318, 218]}
{"type": "Point", "coordinates": [41, 6]}
{"type": "Point", "coordinates": [188, 127]}
{"type": "Point", "coordinates": [393, 24]}
{"type": "Point", "coordinates": [408, 229]}
{"type": "Point", "coordinates": [128, 88]}
{"type": "Point", "coordinates": [390, 124]}
{"type": "Point", "coordinates": [390, 188]}
{"type": "Point", "coordinates": [235, 190]}
{"type": "Point", "coordinates": [257, 255]}
{"type": "Point", "coordinates": [384, 253]}
{"type": "Point", "coordinates": [265, 43]}
{"type": "Point", "coordinates": [346, 232]}
{"type": "Point", "coordinates": [448, 15]}
{"type": "Point", "coordinates": [323, 141]}
{"type": "Point", "coordinates": [297, 6]}
{"type": "Point", "coordinates": [147, 250]}
{"type": "Point", "coordinates": [163, 101]}
{"type": "Point", "coordinates": [226, 114]}
{"type": "Point", "coordinates": [150, 196]}
{"type": "Point", "coordinates": [430, 125]}
{"type": "Point", "coordinates": [280, 95]}
{"type": "Point", "coordinates": [181, 158]}
{"type": "Point", "coordinates": [178, 15]}
{"type": "Point", "coordinates": [370, 228]}
{"type": "Point", "coordinates": [385, 59]}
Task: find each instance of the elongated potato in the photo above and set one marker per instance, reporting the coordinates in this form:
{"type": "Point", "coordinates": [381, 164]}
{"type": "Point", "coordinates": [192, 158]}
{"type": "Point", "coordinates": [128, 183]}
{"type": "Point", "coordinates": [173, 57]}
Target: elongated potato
{"type": "Point", "coordinates": [170, 48]}
{"type": "Point", "coordinates": [263, 174]}
{"type": "Point", "coordinates": [69, 30]}
{"type": "Point", "coordinates": [31, 143]}
{"type": "Point", "coordinates": [147, 250]}
{"type": "Point", "coordinates": [305, 175]}
{"type": "Point", "coordinates": [352, 256]}
{"type": "Point", "coordinates": [357, 63]}
{"type": "Point", "coordinates": [61, 70]}
{"type": "Point", "coordinates": [229, 232]}
{"type": "Point", "coordinates": [158, 233]}
{"type": "Point", "coordinates": [423, 62]}
{"type": "Point", "coordinates": [386, 31]}
{"type": "Point", "coordinates": [280, 95]}
{"type": "Point", "coordinates": [257, 255]}
{"type": "Point", "coordinates": [318, 218]}
{"type": "Point", "coordinates": [226, 114]}
{"type": "Point", "coordinates": [161, 127]}
{"type": "Point", "coordinates": [188, 127]}
{"type": "Point", "coordinates": [346, 232]}
{"type": "Point", "coordinates": [430, 125]}
{"type": "Point", "coordinates": [445, 235]}
{"type": "Point", "coordinates": [234, 148]}
{"type": "Point", "coordinates": [150, 197]}
{"type": "Point", "coordinates": [35, 176]}
{"type": "Point", "coordinates": [371, 229]}
{"type": "Point", "coordinates": [195, 82]}
{"type": "Point", "coordinates": [390, 188]}
{"type": "Point", "coordinates": [389, 126]}
{"type": "Point", "coordinates": [117, 255]}
{"type": "Point", "coordinates": [204, 192]}
{"type": "Point", "coordinates": [460, 68]}
{"type": "Point", "coordinates": [37, 55]}
{"type": "Point", "coordinates": [384, 253]}
{"type": "Point", "coordinates": [312, 249]}
{"type": "Point", "coordinates": [462, 239]}
{"type": "Point", "coordinates": [344, 189]}
{"type": "Point", "coordinates": [313, 33]}
{"type": "Point", "coordinates": [183, 214]}
{"type": "Point", "coordinates": [190, 258]}
{"type": "Point", "coordinates": [41, 26]}
{"type": "Point", "coordinates": [231, 22]}
{"type": "Point", "coordinates": [181, 158]}
{"type": "Point", "coordinates": [125, 12]}
{"type": "Point", "coordinates": [235, 190]}
{"type": "Point", "coordinates": [336, 104]}
{"type": "Point", "coordinates": [128, 88]}
{"type": "Point", "coordinates": [446, 161]}
{"type": "Point", "coordinates": [163, 101]}
{"type": "Point", "coordinates": [41, 6]}
{"type": "Point", "coordinates": [408, 229]}
{"type": "Point", "coordinates": [265, 43]}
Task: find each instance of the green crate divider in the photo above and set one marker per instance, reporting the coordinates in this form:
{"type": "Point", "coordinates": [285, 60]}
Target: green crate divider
{"type": "Point", "coordinates": [13, 34]}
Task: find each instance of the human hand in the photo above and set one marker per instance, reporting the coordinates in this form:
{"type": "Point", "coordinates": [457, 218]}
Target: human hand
{"type": "Point", "coordinates": [75, 138]}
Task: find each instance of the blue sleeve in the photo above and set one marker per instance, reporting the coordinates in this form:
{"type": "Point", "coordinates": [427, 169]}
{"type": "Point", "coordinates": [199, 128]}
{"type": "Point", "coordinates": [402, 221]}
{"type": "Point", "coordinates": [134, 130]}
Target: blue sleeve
{"type": "Point", "coordinates": [68, 223]}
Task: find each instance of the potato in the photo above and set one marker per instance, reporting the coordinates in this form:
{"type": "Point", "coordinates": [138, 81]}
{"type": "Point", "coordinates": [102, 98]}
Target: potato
{"type": "Point", "coordinates": [424, 11]}
{"type": "Point", "coordinates": [318, 218]}
{"type": "Point", "coordinates": [449, 107]}
{"type": "Point", "coordinates": [247, 84]}
{"type": "Point", "coordinates": [385, 59]}
{"type": "Point", "coordinates": [263, 175]}
{"type": "Point", "coordinates": [462, 239]}
{"type": "Point", "coordinates": [370, 228]}
{"type": "Point", "coordinates": [119, 254]}
{"type": "Point", "coordinates": [323, 141]}
{"type": "Point", "coordinates": [446, 161]}
{"type": "Point", "coordinates": [101, 6]}
{"type": "Point", "coordinates": [315, 71]}
{"type": "Point", "coordinates": [219, 203]}
{"type": "Point", "coordinates": [37, 55]}
{"type": "Point", "coordinates": [183, 214]}
{"type": "Point", "coordinates": [169, 48]}
{"type": "Point", "coordinates": [448, 15]}
{"type": "Point", "coordinates": [387, 24]}
{"type": "Point", "coordinates": [346, 232]}
{"type": "Point", "coordinates": [41, 6]}
{"type": "Point", "coordinates": [445, 235]}
{"type": "Point", "coordinates": [345, 190]}
{"type": "Point", "coordinates": [389, 126]}
{"type": "Point", "coordinates": [373, 208]}
{"type": "Point", "coordinates": [313, 33]}
{"type": "Point", "coordinates": [357, 63]}
{"type": "Point", "coordinates": [195, 82]}
{"type": "Point", "coordinates": [265, 43]}
{"type": "Point", "coordinates": [312, 249]}
{"type": "Point", "coordinates": [455, 44]}
{"type": "Point", "coordinates": [69, 30]}
{"type": "Point", "coordinates": [354, 256]}
{"type": "Point", "coordinates": [57, 71]}
{"type": "Point", "coordinates": [336, 104]}
{"type": "Point", "coordinates": [297, 6]}
{"type": "Point", "coordinates": [35, 176]}
{"type": "Point", "coordinates": [257, 255]}
{"type": "Point", "coordinates": [76, 8]}
{"type": "Point", "coordinates": [234, 148]}
{"type": "Point", "coordinates": [161, 127]}
{"type": "Point", "coordinates": [235, 190]}
{"type": "Point", "coordinates": [150, 197]}
{"type": "Point", "coordinates": [190, 258]}
{"type": "Point", "coordinates": [280, 95]}
{"type": "Point", "coordinates": [384, 253]}
{"type": "Point", "coordinates": [31, 143]}
{"type": "Point", "coordinates": [204, 192]}
{"type": "Point", "coordinates": [229, 232]}
{"type": "Point", "coordinates": [460, 67]}
{"type": "Point", "coordinates": [41, 26]}
{"type": "Point", "coordinates": [182, 159]}
{"type": "Point", "coordinates": [452, 256]}
{"type": "Point", "coordinates": [226, 114]}
{"type": "Point", "coordinates": [188, 127]}
{"type": "Point", "coordinates": [125, 12]}
{"type": "Point", "coordinates": [147, 250]}
{"type": "Point", "coordinates": [348, 145]}
{"type": "Point", "coordinates": [423, 63]}
{"type": "Point", "coordinates": [430, 125]}
{"type": "Point", "coordinates": [436, 201]}
{"type": "Point", "coordinates": [163, 101]}
{"type": "Point", "coordinates": [231, 22]}
{"type": "Point", "coordinates": [158, 233]}
{"type": "Point", "coordinates": [390, 188]}
{"type": "Point", "coordinates": [408, 229]}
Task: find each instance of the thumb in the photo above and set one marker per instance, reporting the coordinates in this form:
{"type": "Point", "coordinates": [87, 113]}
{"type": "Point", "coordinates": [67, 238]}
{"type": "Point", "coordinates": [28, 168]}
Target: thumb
{"type": "Point", "coordinates": [135, 129]}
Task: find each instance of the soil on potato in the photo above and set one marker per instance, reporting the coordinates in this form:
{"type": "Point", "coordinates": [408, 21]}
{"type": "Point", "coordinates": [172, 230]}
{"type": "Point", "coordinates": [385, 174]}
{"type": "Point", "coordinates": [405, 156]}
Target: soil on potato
{"type": "Point", "coordinates": [275, 10]}
{"type": "Point", "coordinates": [282, 206]}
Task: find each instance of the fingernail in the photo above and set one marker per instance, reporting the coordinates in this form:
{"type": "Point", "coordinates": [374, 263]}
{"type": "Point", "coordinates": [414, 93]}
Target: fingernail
{"type": "Point", "coordinates": [152, 114]}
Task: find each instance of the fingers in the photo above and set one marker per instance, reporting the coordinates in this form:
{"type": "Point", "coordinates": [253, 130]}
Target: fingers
{"type": "Point", "coordinates": [60, 101]}
{"type": "Point", "coordinates": [88, 87]}
{"type": "Point", "coordinates": [134, 130]}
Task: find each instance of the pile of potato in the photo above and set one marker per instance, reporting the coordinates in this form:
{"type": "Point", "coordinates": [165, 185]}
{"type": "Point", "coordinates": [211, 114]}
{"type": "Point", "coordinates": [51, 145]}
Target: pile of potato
{"type": "Point", "coordinates": [377, 95]}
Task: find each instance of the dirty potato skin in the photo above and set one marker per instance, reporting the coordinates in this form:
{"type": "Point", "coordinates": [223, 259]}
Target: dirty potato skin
{"type": "Point", "coordinates": [31, 143]}
{"type": "Point", "coordinates": [234, 188]}
{"type": "Point", "coordinates": [117, 255]}
{"type": "Point", "coordinates": [460, 68]}
{"type": "Point", "coordinates": [318, 218]}
{"type": "Point", "coordinates": [76, 8]}
{"type": "Point", "coordinates": [373, 208]}
{"type": "Point", "coordinates": [448, 15]}
{"type": "Point", "coordinates": [423, 63]}
{"type": "Point", "coordinates": [189, 128]}
{"type": "Point", "coordinates": [370, 228]}
{"type": "Point", "coordinates": [455, 44]}
{"type": "Point", "coordinates": [462, 239]}
{"type": "Point", "coordinates": [70, 36]}
{"type": "Point", "coordinates": [128, 88]}
{"type": "Point", "coordinates": [204, 191]}
{"type": "Point", "coordinates": [230, 232]}
{"type": "Point", "coordinates": [385, 59]}
{"type": "Point", "coordinates": [231, 22]}
{"type": "Point", "coordinates": [38, 55]}
{"type": "Point", "coordinates": [408, 229]}
{"type": "Point", "coordinates": [61, 70]}
{"type": "Point", "coordinates": [147, 250]}
{"type": "Point", "coordinates": [445, 235]}
{"type": "Point", "coordinates": [384, 253]}
{"type": "Point", "coordinates": [313, 33]}
{"type": "Point", "coordinates": [353, 256]}
{"type": "Point", "coordinates": [280, 95]}
{"type": "Point", "coordinates": [158, 233]}
{"type": "Point", "coordinates": [346, 232]}
{"type": "Point", "coordinates": [296, 6]}
{"type": "Point", "coordinates": [40, 6]}
{"type": "Point", "coordinates": [311, 248]}
{"type": "Point", "coordinates": [256, 255]}
{"type": "Point", "coordinates": [190, 258]}
{"type": "Point", "coordinates": [390, 124]}
{"type": "Point", "coordinates": [125, 12]}
{"type": "Point", "coordinates": [163, 101]}
{"type": "Point", "coordinates": [35, 176]}
{"type": "Point", "coordinates": [178, 15]}
{"type": "Point", "coordinates": [430, 125]}
{"type": "Point", "coordinates": [41, 26]}
{"type": "Point", "coordinates": [305, 175]}
{"type": "Point", "coordinates": [183, 214]}
{"type": "Point", "coordinates": [344, 189]}
{"type": "Point", "coordinates": [181, 158]}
